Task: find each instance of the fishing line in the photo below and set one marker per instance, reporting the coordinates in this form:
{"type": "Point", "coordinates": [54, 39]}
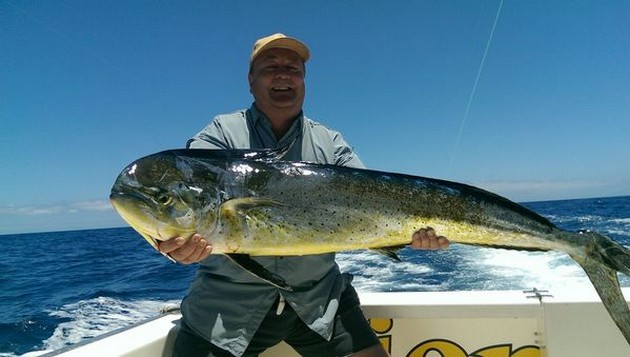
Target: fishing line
{"type": "Point", "coordinates": [474, 88]}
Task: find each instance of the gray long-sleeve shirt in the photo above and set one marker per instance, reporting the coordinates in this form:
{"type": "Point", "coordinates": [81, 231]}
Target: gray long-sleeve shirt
{"type": "Point", "coordinates": [226, 304]}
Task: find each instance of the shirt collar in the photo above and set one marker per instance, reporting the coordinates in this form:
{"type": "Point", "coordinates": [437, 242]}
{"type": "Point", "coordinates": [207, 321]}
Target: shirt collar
{"type": "Point", "coordinates": [260, 121]}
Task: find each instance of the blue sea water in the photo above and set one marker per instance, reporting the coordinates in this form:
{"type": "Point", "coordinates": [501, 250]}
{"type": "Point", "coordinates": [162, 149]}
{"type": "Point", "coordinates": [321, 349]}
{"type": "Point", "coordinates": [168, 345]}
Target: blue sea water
{"type": "Point", "coordinates": [60, 288]}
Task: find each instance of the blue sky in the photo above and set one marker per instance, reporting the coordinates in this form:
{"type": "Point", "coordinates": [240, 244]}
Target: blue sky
{"type": "Point", "coordinates": [88, 86]}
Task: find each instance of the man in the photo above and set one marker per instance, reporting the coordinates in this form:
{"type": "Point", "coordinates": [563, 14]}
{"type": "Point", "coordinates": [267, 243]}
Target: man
{"type": "Point", "coordinates": [229, 312]}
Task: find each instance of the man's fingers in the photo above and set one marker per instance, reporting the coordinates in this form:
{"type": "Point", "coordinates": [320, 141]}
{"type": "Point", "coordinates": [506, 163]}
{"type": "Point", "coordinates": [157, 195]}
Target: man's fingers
{"type": "Point", "coordinates": [186, 252]}
{"type": "Point", "coordinates": [171, 244]}
{"type": "Point", "coordinates": [201, 252]}
{"type": "Point", "coordinates": [426, 238]}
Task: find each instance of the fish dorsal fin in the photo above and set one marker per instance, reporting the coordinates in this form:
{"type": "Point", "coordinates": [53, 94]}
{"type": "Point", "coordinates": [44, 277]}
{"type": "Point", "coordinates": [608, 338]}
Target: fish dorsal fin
{"type": "Point", "coordinates": [257, 270]}
{"type": "Point", "coordinates": [265, 155]}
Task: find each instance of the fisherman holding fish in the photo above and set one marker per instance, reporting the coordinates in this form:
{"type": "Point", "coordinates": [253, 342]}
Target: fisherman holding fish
{"type": "Point", "coordinates": [229, 312]}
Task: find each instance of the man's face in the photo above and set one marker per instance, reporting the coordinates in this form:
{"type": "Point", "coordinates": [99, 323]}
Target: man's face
{"type": "Point", "coordinates": [276, 81]}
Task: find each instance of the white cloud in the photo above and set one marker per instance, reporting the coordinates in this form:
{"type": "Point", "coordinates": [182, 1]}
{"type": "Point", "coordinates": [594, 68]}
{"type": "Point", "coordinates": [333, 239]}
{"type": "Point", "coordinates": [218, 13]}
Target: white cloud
{"type": "Point", "coordinates": [551, 190]}
{"type": "Point", "coordinates": [94, 205]}
{"type": "Point", "coordinates": [58, 208]}
{"type": "Point", "coordinates": [58, 217]}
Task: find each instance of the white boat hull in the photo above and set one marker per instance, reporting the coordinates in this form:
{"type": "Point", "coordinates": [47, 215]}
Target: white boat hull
{"type": "Point", "coordinates": [436, 324]}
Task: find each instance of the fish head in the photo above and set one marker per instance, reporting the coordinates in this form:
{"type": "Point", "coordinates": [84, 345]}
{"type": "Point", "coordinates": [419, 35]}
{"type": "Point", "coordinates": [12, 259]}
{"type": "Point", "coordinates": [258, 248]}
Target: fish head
{"type": "Point", "coordinates": [159, 196]}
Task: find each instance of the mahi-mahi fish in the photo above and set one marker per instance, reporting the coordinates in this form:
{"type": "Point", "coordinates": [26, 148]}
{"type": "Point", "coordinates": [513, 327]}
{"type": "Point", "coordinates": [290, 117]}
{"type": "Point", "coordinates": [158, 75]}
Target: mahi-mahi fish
{"type": "Point", "coordinates": [251, 203]}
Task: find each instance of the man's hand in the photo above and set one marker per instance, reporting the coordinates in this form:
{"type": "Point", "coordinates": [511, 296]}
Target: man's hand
{"type": "Point", "coordinates": [194, 250]}
{"type": "Point", "coordinates": [427, 239]}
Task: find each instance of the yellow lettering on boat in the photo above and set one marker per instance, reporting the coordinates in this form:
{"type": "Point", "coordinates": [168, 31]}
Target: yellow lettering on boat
{"type": "Point", "coordinates": [444, 347]}
{"type": "Point", "coordinates": [447, 348]}
{"type": "Point", "coordinates": [381, 327]}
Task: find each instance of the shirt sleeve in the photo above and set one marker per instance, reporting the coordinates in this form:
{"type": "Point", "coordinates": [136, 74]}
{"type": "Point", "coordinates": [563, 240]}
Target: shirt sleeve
{"type": "Point", "coordinates": [211, 137]}
{"type": "Point", "coordinates": [345, 154]}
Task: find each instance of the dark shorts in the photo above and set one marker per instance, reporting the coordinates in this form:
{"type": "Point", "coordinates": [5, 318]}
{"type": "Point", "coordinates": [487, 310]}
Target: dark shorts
{"type": "Point", "coordinates": [351, 333]}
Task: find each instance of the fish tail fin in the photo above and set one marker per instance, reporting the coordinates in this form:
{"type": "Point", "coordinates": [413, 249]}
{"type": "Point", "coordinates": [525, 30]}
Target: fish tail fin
{"type": "Point", "coordinates": [604, 258]}
{"type": "Point", "coordinates": [611, 253]}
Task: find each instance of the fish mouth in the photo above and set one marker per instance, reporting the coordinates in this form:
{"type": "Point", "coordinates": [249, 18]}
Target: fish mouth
{"type": "Point", "coordinates": [136, 209]}
{"type": "Point", "coordinates": [132, 207]}
{"type": "Point", "coordinates": [131, 200]}
{"type": "Point", "coordinates": [122, 194]}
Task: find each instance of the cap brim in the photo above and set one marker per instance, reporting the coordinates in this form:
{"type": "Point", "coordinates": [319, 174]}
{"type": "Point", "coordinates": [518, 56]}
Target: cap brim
{"type": "Point", "coordinates": [286, 43]}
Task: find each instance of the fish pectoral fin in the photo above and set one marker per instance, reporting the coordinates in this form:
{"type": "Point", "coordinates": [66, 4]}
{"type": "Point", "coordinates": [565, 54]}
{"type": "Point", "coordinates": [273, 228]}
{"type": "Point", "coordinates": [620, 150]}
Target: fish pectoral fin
{"type": "Point", "coordinates": [232, 211]}
{"type": "Point", "coordinates": [234, 206]}
{"type": "Point", "coordinates": [390, 252]}
{"type": "Point", "coordinates": [257, 270]}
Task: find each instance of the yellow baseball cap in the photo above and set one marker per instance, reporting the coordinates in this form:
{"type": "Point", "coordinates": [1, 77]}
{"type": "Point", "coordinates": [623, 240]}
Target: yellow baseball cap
{"type": "Point", "coordinates": [279, 40]}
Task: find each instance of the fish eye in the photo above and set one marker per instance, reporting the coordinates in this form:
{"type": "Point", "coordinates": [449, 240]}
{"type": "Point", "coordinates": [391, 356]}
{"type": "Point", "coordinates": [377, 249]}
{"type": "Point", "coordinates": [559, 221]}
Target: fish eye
{"type": "Point", "coordinates": [164, 199]}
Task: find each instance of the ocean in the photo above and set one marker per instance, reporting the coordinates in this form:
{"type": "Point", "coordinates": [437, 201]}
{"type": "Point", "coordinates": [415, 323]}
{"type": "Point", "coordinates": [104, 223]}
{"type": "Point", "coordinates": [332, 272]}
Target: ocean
{"type": "Point", "coordinates": [60, 288]}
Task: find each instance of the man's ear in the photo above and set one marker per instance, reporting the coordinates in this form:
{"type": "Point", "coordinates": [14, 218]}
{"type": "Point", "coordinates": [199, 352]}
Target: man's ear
{"type": "Point", "coordinates": [249, 80]}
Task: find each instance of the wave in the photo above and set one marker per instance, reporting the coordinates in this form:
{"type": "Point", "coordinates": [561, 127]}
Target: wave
{"type": "Point", "coordinates": [465, 268]}
{"type": "Point", "coordinates": [373, 272]}
{"type": "Point", "coordinates": [90, 318]}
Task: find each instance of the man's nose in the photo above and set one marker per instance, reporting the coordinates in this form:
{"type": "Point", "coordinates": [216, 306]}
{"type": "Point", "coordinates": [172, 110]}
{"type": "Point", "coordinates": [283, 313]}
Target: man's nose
{"type": "Point", "coordinates": [282, 73]}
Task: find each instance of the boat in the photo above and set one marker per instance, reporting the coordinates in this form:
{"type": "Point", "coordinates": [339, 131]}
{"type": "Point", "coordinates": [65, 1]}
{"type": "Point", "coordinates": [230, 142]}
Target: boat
{"type": "Point", "coordinates": [531, 323]}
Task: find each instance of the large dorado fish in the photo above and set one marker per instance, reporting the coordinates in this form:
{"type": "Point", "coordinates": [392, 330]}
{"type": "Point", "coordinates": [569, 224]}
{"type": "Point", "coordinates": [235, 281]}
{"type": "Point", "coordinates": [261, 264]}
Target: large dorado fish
{"type": "Point", "coordinates": [251, 203]}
